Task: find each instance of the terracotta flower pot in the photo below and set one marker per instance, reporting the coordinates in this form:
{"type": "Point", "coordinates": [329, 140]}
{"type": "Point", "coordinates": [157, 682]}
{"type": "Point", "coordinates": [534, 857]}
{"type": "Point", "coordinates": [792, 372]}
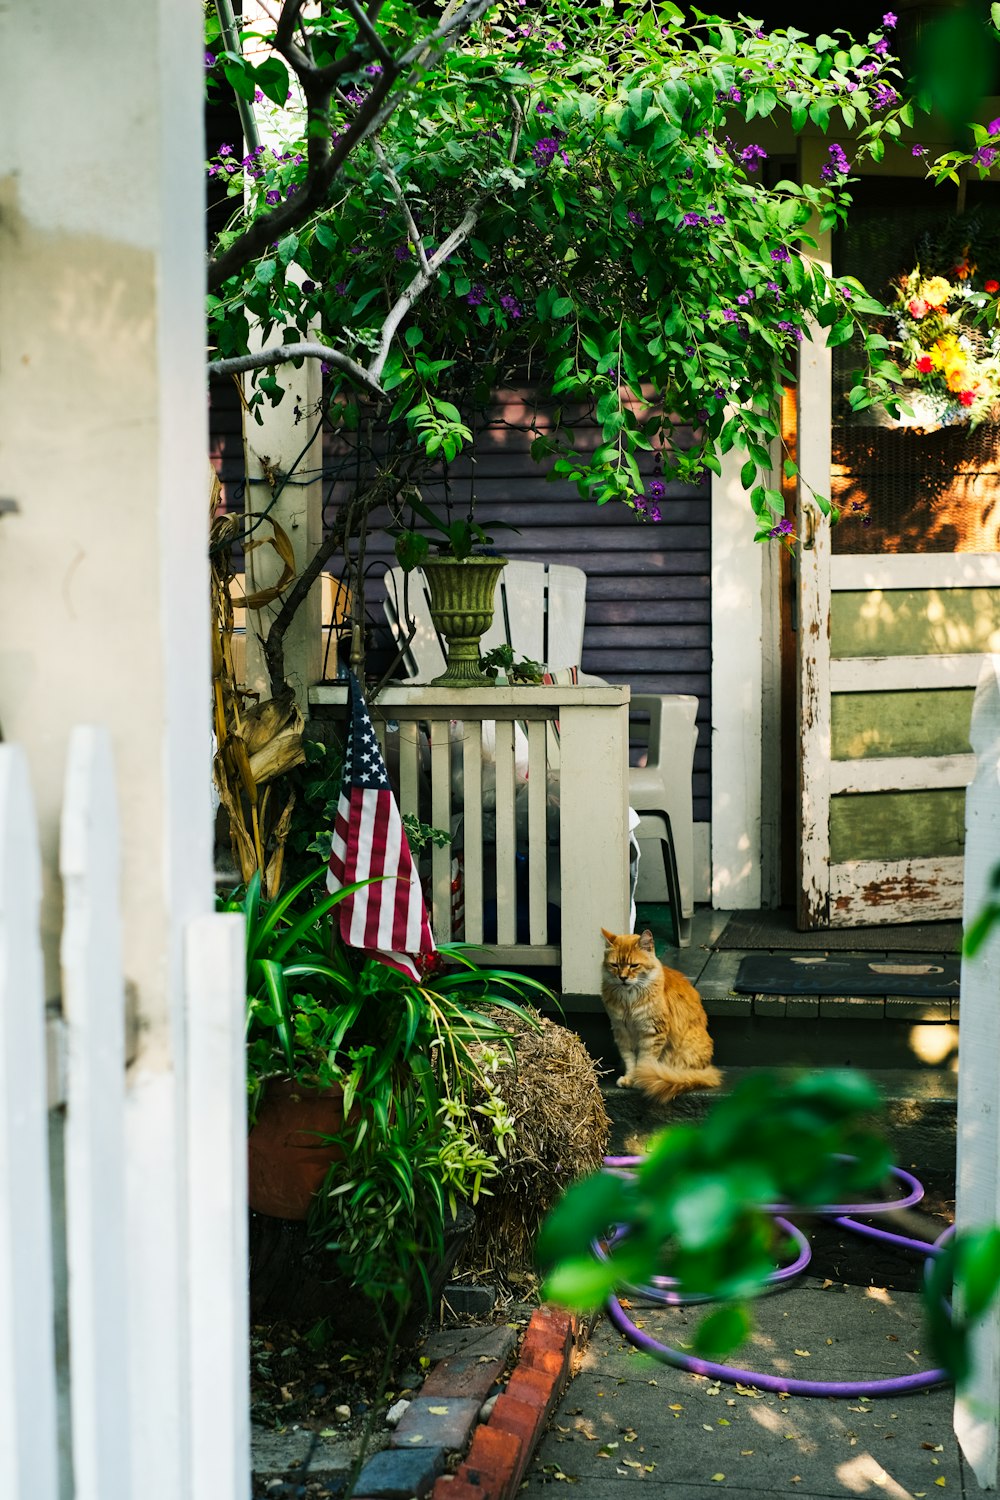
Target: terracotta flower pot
{"type": "Point", "coordinates": [461, 595]}
{"type": "Point", "coordinates": [288, 1154]}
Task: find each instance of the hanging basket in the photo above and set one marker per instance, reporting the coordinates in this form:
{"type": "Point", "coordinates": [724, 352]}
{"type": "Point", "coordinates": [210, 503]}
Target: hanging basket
{"type": "Point", "coordinates": [461, 597]}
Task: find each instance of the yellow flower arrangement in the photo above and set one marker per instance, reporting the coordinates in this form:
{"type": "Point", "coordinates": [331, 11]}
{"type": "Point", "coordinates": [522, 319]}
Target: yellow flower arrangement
{"type": "Point", "coordinates": [952, 368]}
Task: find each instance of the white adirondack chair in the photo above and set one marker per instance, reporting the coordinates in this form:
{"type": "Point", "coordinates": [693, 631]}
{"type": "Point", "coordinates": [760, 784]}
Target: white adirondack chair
{"type": "Point", "coordinates": [540, 611]}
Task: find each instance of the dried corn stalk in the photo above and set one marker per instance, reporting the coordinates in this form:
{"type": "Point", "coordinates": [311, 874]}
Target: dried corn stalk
{"type": "Point", "coordinates": [256, 743]}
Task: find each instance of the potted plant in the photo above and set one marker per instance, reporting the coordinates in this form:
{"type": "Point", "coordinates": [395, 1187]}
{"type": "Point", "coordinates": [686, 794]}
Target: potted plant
{"type": "Point", "coordinates": [461, 582]}
{"type": "Point", "coordinates": [361, 1083]}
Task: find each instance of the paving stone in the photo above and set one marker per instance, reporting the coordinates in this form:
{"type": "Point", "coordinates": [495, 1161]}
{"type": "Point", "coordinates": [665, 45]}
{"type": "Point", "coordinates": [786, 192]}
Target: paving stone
{"type": "Point", "coordinates": [464, 1375]}
{"type": "Point", "coordinates": [437, 1422]}
{"type": "Point", "coordinates": [396, 1474]}
{"type": "Point", "coordinates": [470, 1301]}
{"type": "Point", "coordinates": [496, 1342]}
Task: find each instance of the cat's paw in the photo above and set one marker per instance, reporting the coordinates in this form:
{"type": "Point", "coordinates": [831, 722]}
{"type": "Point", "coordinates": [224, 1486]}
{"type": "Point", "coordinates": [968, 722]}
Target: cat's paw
{"type": "Point", "coordinates": [625, 1081]}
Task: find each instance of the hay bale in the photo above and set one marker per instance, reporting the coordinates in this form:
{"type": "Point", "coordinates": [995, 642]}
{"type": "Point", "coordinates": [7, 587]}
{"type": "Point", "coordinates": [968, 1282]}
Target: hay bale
{"type": "Point", "coordinates": [562, 1128]}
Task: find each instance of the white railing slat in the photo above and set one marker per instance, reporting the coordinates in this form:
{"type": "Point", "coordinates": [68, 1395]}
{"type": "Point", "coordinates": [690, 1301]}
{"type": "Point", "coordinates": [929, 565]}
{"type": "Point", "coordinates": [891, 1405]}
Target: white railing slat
{"type": "Point", "coordinates": [472, 829]}
{"type": "Point", "coordinates": [94, 1011]}
{"type": "Point", "coordinates": [538, 931]}
{"type": "Point", "coordinates": [28, 1446]}
{"type": "Point", "coordinates": [506, 833]}
{"type": "Point", "coordinates": [441, 818]}
{"type": "Point", "coordinates": [219, 1312]}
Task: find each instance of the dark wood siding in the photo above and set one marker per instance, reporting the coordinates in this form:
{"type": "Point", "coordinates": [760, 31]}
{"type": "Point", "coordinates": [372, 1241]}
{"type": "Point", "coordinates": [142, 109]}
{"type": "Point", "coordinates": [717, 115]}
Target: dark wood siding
{"type": "Point", "coordinates": [648, 608]}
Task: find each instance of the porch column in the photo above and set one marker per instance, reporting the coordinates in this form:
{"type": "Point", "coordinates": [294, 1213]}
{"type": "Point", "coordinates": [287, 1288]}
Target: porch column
{"type": "Point", "coordinates": [103, 570]}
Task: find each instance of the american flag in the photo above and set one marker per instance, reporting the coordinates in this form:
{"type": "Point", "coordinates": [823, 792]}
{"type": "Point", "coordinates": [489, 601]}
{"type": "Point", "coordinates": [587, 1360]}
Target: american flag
{"type": "Point", "coordinates": [387, 919]}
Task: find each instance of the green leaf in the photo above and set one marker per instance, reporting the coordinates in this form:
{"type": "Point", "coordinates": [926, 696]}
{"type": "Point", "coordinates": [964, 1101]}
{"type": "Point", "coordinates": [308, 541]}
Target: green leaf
{"type": "Point", "coordinates": [840, 333]}
{"type": "Point", "coordinates": [287, 248]}
{"type": "Point", "coordinates": [264, 271]}
{"type": "Point", "coordinates": [272, 80]}
{"type": "Point", "coordinates": [748, 473]}
{"type": "Point", "coordinates": [562, 307]}
{"type": "Point", "coordinates": [790, 468]}
{"type": "Point", "coordinates": [721, 1331]}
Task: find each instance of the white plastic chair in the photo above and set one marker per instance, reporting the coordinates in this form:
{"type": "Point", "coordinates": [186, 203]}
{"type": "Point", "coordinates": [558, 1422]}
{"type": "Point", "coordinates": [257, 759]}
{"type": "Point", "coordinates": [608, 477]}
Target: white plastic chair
{"type": "Point", "coordinates": [540, 612]}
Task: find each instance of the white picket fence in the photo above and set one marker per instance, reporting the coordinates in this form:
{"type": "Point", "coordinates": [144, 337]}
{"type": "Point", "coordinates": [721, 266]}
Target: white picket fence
{"type": "Point", "coordinates": [977, 1410]}
{"type": "Point", "coordinates": [123, 1349]}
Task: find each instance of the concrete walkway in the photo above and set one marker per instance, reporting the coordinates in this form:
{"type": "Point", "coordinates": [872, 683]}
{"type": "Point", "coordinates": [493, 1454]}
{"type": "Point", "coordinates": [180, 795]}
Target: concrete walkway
{"type": "Point", "coordinates": [628, 1420]}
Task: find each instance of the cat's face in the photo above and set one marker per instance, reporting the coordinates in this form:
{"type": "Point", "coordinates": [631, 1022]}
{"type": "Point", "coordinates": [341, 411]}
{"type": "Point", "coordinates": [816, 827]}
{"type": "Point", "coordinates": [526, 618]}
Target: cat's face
{"type": "Point", "coordinates": [628, 957]}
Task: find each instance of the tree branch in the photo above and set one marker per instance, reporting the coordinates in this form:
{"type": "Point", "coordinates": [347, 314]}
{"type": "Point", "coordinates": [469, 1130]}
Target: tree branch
{"type": "Point", "coordinates": [282, 354]}
{"type": "Point", "coordinates": [417, 286]}
{"type": "Point", "coordinates": [400, 197]}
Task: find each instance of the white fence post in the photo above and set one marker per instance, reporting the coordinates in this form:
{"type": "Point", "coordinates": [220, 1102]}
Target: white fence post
{"type": "Point", "coordinates": [217, 1209]}
{"type": "Point", "coordinates": [28, 1448]}
{"type": "Point", "coordinates": [977, 1410]}
{"type": "Point", "coordinates": [94, 1009]}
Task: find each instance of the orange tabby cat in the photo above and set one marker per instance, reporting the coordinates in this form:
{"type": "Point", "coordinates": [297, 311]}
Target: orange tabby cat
{"type": "Point", "coordinates": [657, 1019]}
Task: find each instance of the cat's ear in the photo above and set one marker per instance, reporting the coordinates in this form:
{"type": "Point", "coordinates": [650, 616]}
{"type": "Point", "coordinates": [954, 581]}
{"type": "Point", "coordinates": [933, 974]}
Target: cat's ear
{"type": "Point", "coordinates": [608, 937]}
{"type": "Point", "coordinates": [646, 941]}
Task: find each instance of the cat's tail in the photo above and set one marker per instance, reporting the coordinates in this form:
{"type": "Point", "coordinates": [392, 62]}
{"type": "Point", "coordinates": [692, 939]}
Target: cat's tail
{"type": "Point", "coordinates": [662, 1083]}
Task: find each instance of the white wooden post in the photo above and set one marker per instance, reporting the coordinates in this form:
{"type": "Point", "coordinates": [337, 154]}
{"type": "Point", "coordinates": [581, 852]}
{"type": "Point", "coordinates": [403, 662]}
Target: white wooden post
{"type": "Point", "coordinates": [737, 630]}
{"type": "Point", "coordinates": [28, 1466]}
{"type": "Point", "coordinates": [103, 569]}
{"type": "Point", "coordinates": [271, 447]}
{"type": "Point", "coordinates": [977, 1409]}
{"type": "Point", "coordinates": [593, 838]}
{"type": "Point", "coordinates": [217, 1210]}
{"type": "Point", "coordinates": [94, 1010]}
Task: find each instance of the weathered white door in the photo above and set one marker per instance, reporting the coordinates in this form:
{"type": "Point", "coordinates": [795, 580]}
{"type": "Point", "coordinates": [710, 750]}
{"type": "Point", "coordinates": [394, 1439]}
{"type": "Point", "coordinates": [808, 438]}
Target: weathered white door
{"type": "Point", "coordinates": [896, 605]}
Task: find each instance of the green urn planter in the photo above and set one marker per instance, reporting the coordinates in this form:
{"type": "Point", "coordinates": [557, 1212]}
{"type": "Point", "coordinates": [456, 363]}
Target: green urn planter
{"type": "Point", "coordinates": [462, 610]}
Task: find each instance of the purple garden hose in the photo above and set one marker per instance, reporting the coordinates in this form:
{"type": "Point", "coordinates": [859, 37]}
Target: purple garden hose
{"type": "Point", "coordinates": [661, 1291]}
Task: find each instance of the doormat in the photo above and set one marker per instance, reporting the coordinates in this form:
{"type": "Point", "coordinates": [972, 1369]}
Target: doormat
{"type": "Point", "coordinates": [815, 974]}
{"type": "Point", "coordinates": [776, 929]}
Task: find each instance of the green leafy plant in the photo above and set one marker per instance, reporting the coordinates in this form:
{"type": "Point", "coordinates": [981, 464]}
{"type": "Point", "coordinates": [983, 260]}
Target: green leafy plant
{"type": "Point", "coordinates": [516, 669]}
{"type": "Point", "coordinates": [695, 1207]}
{"type": "Point", "coordinates": [408, 1056]}
{"type": "Point", "coordinates": [456, 537]}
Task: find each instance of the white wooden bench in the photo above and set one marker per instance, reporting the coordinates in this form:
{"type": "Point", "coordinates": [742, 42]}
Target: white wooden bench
{"type": "Point", "coordinates": [539, 612]}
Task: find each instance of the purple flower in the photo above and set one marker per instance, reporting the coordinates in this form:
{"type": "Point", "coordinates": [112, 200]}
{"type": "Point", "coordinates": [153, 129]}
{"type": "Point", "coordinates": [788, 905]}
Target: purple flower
{"type": "Point", "coordinates": [544, 150]}
{"type": "Point", "coordinates": [984, 157]}
{"type": "Point", "coordinates": [919, 151]}
{"type": "Point", "coordinates": [476, 296]}
{"type": "Point", "coordinates": [402, 252]}
{"type": "Point", "coordinates": [258, 96]}
{"type": "Point", "coordinates": [889, 19]}
{"type": "Point", "coordinates": [752, 156]}
{"type": "Point", "coordinates": [791, 328]}
{"type": "Point", "coordinates": [511, 305]}
{"type": "Point", "coordinates": [526, 30]}
{"type": "Point", "coordinates": [293, 189]}
{"type": "Point", "coordinates": [719, 393]}
{"type": "Point", "coordinates": [744, 299]}
{"type": "Point", "coordinates": [339, 288]}
{"type": "Point", "coordinates": [881, 47]}
{"type": "Point", "coordinates": [780, 254]}
{"type": "Point", "coordinates": [209, 59]}
{"type": "Point", "coordinates": [994, 127]}
{"type": "Point", "coordinates": [837, 166]}
{"type": "Point", "coordinates": [628, 32]}
{"type": "Point", "coordinates": [635, 217]}
{"type": "Point", "coordinates": [885, 96]}
{"type": "Point", "coordinates": [783, 527]}
{"type": "Point", "coordinates": [231, 167]}
{"type": "Point", "coordinates": [541, 108]}
{"type": "Point", "coordinates": [214, 171]}
{"type": "Point", "coordinates": [730, 315]}
{"type": "Point", "coordinates": [773, 286]}
{"type": "Point", "coordinates": [656, 489]}
{"type": "Point", "coordinates": [555, 46]}
{"type": "Point", "coordinates": [717, 218]}
{"type": "Point", "coordinates": [692, 219]}
{"type": "Point", "coordinates": [225, 150]}
{"type": "Point", "coordinates": [308, 286]}
{"type": "Point", "coordinates": [373, 70]}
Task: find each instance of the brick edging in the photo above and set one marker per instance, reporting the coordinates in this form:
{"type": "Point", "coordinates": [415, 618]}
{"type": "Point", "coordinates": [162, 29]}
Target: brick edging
{"type": "Point", "coordinates": [502, 1447]}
